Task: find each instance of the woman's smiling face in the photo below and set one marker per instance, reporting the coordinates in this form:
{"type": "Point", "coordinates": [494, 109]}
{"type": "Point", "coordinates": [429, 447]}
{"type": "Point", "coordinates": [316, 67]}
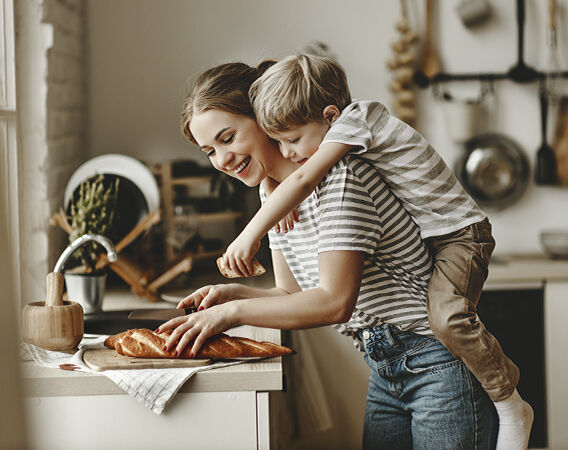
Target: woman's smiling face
{"type": "Point", "coordinates": [234, 144]}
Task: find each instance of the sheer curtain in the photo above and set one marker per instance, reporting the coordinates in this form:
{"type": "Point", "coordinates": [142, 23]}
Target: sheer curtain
{"type": "Point", "coordinates": [12, 434]}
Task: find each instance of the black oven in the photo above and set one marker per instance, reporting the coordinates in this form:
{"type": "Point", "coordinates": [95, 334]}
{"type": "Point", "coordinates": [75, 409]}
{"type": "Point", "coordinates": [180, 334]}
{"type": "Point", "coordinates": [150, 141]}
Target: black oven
{"type": "Point", "coordinates": [516, 318]}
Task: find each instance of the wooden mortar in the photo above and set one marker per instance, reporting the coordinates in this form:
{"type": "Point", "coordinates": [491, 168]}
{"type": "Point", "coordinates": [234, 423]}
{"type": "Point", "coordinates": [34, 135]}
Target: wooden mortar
{"type": "Point", "coordinates": [53, 324]}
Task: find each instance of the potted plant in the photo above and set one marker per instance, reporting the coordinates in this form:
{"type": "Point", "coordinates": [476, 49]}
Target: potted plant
{"type": "Point", "coordinates": [92, 210]}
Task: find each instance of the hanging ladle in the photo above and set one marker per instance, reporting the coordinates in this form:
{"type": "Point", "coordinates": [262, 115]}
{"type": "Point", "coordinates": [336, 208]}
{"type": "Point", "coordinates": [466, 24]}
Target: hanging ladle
{"type": "Point", "coordinates": [520, 72]}
{"type": "Point", "coordinates": [545, 173]}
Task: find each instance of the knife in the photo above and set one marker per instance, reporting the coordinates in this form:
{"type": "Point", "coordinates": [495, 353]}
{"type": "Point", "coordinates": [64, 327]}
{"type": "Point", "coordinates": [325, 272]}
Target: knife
{"type": "Point", "coordinates": [160, 313]}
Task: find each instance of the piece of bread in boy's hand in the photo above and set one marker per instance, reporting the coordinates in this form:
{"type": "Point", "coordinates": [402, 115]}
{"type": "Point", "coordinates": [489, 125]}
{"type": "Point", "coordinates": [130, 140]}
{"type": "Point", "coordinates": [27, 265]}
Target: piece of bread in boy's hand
{"type": "Point", "coordinates": [257, 268]}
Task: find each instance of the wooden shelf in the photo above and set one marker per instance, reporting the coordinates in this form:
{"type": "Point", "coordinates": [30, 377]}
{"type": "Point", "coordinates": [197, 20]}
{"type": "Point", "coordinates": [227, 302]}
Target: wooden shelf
{"type": "Point", "coordinates": [202, 254]}
{"type": "Point", "coordinates": [212, 217]}
{"type": "Point", "coordinates": [167, 184]}
{"type": "Point", "coordinates": [189, 181]}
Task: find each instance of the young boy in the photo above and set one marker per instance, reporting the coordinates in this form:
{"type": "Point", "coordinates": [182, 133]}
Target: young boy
{"type": "Point", "coordinates": [303, 102]}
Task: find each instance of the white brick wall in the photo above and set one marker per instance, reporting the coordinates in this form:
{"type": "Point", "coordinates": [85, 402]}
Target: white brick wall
{"type": "Point", "coordinates": [52, 102]}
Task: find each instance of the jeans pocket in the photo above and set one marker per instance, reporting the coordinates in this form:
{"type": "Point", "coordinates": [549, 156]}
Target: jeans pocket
{"type": "Point", "coordinates": [430, 358]}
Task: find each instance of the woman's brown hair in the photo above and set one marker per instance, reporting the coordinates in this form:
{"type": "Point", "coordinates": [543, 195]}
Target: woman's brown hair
{"type": "Point", "coordinates": [223, 87]}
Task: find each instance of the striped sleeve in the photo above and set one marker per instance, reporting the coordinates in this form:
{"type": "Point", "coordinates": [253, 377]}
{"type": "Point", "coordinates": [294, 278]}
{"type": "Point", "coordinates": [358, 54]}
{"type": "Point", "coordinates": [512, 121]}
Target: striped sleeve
{"type": "Point", "coordinates": [358, 125]}
{"type": "Point", "coordinates": [347, 215]}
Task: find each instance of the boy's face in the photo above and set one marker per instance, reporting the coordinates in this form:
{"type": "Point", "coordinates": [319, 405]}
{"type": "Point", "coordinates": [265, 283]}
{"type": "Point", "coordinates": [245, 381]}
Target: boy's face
{"type": "Point", "coordinates": [299, 143]}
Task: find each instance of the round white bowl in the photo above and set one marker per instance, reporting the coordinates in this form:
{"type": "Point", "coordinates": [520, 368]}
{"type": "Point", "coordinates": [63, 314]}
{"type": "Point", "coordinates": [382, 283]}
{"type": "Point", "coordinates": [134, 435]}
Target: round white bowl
{"type": "Point", "coordinates": [555, 243]}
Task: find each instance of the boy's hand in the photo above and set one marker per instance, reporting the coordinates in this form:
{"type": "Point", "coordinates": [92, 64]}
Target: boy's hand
{"type": "Point", "coordinates": [239, 254]}
{"type": "Point", "coordinates": [287, 223]}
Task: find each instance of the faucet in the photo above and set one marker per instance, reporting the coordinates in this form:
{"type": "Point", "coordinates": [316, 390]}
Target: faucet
{"type": "Point", "coordinates": [79, 242]}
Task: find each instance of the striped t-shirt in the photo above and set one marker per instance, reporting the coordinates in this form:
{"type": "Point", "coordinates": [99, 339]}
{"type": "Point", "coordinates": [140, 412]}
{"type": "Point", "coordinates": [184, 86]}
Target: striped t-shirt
{"type": "Point", "coordinates": [415, 172]}
{"type": "Point", "coordinates": [353, 209]}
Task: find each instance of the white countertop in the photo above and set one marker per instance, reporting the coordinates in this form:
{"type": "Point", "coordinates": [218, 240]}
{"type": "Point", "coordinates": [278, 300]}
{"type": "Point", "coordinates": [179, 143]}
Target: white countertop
{"type": "Point", "coordinates": [521, 269]}
{"type": "Point", "coordinates": [265, 375]}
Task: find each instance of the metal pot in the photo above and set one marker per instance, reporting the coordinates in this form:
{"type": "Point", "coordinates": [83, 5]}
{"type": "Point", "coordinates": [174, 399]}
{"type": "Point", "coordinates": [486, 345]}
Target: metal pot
{"type": "Point", "coordinates": [494, 170]}
{"type": "Point", "coordinates": [87, 290]}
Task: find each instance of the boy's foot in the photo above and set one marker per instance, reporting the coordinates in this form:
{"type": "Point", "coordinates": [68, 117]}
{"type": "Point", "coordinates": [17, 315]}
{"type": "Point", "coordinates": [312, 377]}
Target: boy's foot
{"type": "Point", "coordinates": [515, 422]}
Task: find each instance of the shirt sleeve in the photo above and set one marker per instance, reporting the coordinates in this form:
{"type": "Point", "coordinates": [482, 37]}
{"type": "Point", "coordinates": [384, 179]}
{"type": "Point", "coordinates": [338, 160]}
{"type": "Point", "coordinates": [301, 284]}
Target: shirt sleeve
{"type": "Point", "coordinates": [348, 218]}
{"type": "Point", "coordinates": [359, 125]}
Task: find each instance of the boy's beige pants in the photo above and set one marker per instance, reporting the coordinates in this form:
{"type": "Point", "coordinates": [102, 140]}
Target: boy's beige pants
{"type": "Point", "coordinates": [461, 262]}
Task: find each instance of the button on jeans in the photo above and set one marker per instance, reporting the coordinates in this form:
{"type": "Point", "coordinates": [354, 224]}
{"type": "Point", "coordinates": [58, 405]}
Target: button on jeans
{"type": "Point", "coordinates": [421, 397]}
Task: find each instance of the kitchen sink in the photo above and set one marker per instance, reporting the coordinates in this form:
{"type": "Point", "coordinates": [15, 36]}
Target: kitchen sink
{"type": "Point", "coordinates": [113, 322]}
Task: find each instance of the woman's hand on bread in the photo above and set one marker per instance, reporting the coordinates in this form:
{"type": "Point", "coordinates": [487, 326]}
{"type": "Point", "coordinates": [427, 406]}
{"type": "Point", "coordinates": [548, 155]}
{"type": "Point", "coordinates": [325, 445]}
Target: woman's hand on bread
{"type": "Point", "coordinates": [194, 329]}
{"type": "Point", "coordinates": [199, 326]}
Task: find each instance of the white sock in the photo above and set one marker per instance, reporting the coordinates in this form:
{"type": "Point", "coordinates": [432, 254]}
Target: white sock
{"type": "Point", "coordinates": [515, 422]}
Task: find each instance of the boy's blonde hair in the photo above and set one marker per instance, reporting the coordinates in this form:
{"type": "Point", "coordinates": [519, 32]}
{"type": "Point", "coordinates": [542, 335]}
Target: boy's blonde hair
{"type": "Point", "coordinates": [295, 91]}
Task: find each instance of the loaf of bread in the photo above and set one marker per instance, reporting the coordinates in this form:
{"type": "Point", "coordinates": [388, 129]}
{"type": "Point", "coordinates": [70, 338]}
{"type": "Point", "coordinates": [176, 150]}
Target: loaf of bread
{"type": "Point", "coordinates": [144, 343]}
{"type": "Point", "coordinates": [258, 269]}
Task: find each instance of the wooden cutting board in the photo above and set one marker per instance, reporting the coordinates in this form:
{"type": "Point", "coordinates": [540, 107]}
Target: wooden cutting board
{"type": "Point", "coordinates": [101, 359]}
{"type": "Point", "coordinates": [560, 142]}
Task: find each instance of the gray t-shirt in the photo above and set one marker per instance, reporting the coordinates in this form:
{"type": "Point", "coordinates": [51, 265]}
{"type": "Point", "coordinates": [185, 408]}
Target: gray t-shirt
{"type": "Point", "coordinates": [353, 209]}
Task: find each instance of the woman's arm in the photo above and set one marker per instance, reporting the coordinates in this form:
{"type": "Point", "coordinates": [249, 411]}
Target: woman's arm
{"type": "Point", "coordinates": [283, 276]}
{"type": "Point", "coordinates": [216, 294]}
{"type": "Point", "coordinates": [287, 196]}
{"type": "Point", "coordinates": [330, 303]}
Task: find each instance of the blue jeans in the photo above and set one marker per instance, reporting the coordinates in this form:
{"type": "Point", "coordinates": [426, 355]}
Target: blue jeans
{"type": "Point", "coordinates": [421, 397]}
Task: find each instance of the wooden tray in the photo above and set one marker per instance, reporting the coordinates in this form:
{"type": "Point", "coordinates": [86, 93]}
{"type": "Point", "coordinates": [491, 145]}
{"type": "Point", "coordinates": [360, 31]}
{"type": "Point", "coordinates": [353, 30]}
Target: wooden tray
{"type": "Point", "coordinates": [101, 359]}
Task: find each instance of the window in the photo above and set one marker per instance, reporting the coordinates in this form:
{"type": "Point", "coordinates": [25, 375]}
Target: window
{"type": "Point", "coordinates": [8, 138]}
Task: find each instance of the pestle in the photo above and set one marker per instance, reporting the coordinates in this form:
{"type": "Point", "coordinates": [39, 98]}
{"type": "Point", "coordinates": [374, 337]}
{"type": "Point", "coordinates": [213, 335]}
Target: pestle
{"type": "Point", "coordinates": [53, 324]}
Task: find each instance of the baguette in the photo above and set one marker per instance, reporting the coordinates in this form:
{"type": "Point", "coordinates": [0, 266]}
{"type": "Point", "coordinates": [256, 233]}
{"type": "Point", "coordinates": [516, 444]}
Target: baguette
{"type": "Point", "coordinates": [258, 269]}
{"type": "Point", "coordinates": [144, 343]}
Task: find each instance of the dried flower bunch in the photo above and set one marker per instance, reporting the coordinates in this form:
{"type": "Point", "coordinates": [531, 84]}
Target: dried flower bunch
{"type": "Point", "coordinates": [93, 210]}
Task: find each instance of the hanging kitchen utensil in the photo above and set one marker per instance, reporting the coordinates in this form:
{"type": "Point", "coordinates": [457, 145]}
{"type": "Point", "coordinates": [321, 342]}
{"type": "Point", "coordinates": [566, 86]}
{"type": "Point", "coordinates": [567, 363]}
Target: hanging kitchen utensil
{"type": "Point", "coordinates": [494, 169]}
{"type": "Point", "coordinates": [520, 72]}
{"type": "Point", "coordinates": [473, 12]}
{"type": "Point", "coordinates": [430, 61]}
{"type": "Point", "coordinates": [462, 113]}
{"type": "Point", "coordinates": [552, 66]}
{"type": "Point", "coordinates": [545, 173]}
{"type": "Point", "coordinates": [430, 66]}
{"type": "Point", "coordinates": [560, 142]}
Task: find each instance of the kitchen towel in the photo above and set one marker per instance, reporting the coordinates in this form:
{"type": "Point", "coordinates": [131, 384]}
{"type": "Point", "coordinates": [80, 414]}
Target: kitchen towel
{"type": "Point", "coordinates": [153, 387]}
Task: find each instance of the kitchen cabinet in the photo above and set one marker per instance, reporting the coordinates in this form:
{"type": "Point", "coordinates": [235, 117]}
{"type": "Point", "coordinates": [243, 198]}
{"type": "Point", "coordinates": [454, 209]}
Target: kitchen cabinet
{"type": "Point", "coordinates": [556, 337]}
{"type": "Point", "coordinates": [216, 420]}
{"type": "Point", "coordinates": [514, 315]}
{"type": "Point", "coordinates": [218, 409]}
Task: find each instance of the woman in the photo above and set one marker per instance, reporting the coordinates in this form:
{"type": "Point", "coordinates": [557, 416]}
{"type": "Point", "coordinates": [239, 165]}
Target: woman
{"type": "Point", "coordinates": [355, 261]}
